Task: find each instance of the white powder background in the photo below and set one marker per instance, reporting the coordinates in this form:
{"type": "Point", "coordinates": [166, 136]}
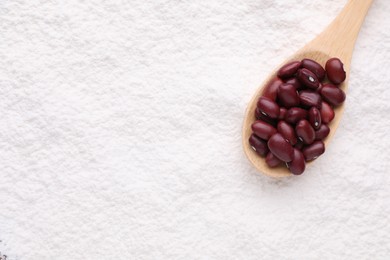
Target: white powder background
{"type": "Point", "coordinates": [120, 134]}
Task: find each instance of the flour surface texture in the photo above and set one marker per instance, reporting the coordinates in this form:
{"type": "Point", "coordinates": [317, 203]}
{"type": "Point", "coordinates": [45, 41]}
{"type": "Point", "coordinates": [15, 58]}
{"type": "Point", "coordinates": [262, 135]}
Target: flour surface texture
{"type": "Point", "coordinates": [120, 134]}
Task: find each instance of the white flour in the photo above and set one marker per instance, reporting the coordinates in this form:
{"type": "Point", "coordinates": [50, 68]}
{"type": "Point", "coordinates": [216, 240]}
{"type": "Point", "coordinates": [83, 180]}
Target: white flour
{"type": "Point", "coordinates": [120, 134]}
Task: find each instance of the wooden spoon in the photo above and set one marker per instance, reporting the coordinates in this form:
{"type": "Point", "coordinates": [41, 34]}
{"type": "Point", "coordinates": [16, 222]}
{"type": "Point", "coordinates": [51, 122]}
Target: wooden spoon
{"type": "Point", "coordinates": [337, 40]}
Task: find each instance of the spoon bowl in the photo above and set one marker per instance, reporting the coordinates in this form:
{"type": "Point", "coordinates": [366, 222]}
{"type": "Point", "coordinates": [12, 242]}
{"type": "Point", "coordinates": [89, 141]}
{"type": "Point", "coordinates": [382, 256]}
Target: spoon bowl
{"type": "Point", "coordinates": [337, 40]}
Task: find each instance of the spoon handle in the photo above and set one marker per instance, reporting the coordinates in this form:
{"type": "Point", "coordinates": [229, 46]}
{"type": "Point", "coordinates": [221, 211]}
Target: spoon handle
{"type": "Point", "coordinates": [339, 38]}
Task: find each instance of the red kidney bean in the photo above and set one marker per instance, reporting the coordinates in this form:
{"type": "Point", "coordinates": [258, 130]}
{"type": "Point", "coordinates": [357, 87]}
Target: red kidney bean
{"type": "Point", "coordinates": [271, 90]}
{"type": "Point", "coordinates": [281, 148]}
{"type": "Point", "coordinates": [291, 125]}
{"type": "Point", "coordinates": [308, 78]}
{"type": "Point", "coordinates": [258, 145]}
{"type": "Point", "coordinates": [335, 71]}
{"type": "Point", "coordinates": [289, 69]}
{"type": "Point", "coordinates": [263, 129]}
{"type": "Point", "coordinates": [295, 114]}
{"type": "Point", "coordinates": [310, 98]}
{"type": "Point", "coordinates": [282, 113]}
{"type": "Point", "coordinates": [315, 118]}
{"type": "Point", "coordinates": [305, 132]}
{"type": "Point", "coordinates": [322, 132]}
{"type": "Point", "coordinates": [272, 160]}
{"type": "Point", "coordinates": [314, 67]}
{"type": "Point", "coordinates": [327, 113]}
{"type": "Point", "coordinates": [268, 107]}
{"type": "Point", "coordinates": [295, 82]}
{"type": "Point", "coordinates": [297, 165]}
{"type": "Point", "coordinates": [262, 117]}
{"type": "Point", "coordinates": [311, 152]}
{"type": "Point", "coordinates": [288, 96]}
{"type": "Point", "coordinates": [287, 131]}
{"type": "Point", "coordinates": [332, 94]}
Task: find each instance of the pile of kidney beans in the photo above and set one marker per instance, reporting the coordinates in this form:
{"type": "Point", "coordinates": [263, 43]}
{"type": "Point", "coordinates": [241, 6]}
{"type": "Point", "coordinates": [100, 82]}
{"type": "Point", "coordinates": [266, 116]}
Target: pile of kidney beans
{"type": "Point", "coordinates": [294, 111]}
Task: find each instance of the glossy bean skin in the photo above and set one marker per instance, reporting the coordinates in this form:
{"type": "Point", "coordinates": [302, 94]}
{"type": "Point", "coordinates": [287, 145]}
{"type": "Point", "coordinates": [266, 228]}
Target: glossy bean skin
{"type": "Point", "coordinates": [271, 90]}
{"type": "Point", "coordinates": [315, 118]}
{"type": "Point", "coordinates": [288, 96]}
{"type": "Point", "coordinates": [327, 113]}
{"type": "Point", "coordinates": [268, 107]}
{"type": "Point", "coordinates": [332, 94]}
{"type": "Point", "coordinates": [305, 132]}
{"type": "Point", "coordinates": [310, 98]}
{"type": "Point", "coordinates": [297, 165]}
{"type": "Point", "coordinates": [272, 160]}
{"type": "Point", "coordinates": [282, 113]}
{"type": "Point", "coordinates": [314, 67]}
{"type": "Point", "coordinates": [262, 117]}
{"type": "Point", "coordinates": [295, 82]}
{"type": "Point", "coordinates": [287, 131]}
{"type": "Point", "coordinates": [335, 71]}
{"type": "Point", "coordinates": [295, 114]}
{"type": "Point", "coordinates": [308, 78]}
{"type": "Point", "coordinates": [282, 149]}
{"type": "Point", "coordinates": [314, 150]}
{"type": "Point", "coordinates": [289, 69]}
{"type": "Point", "coordinates": [323, 132]}
{"type": "Point", "coordinates": [258, 145]}
{"type": "Point", "coordinates": [263, 129]}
